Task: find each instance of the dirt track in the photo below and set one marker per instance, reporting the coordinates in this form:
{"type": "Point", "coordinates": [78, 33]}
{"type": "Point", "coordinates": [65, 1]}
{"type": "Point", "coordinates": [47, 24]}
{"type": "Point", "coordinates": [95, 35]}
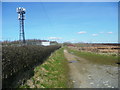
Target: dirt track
{"type": "Point", "coordinates": [87, 75]}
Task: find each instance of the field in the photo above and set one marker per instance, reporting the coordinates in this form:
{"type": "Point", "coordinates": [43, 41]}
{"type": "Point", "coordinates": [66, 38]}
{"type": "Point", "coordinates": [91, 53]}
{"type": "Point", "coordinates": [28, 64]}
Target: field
{"type": "Point", "coordinates": [99, 53]}
{"type": "Point", "coordinates": [108, 49]}
{"type": "Point", "coordinates": [96, 58]}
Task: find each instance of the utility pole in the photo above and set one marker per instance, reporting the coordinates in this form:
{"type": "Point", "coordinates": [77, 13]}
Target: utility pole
{"type": "Point", "coordinates": [21, 18]}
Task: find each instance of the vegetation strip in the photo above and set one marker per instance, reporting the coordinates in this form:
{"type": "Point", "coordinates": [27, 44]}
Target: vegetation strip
{"type": "Point", "coordinates": [96, 58]}
{"type": "Point", "coordinates": [18, 59]}
{"type": "Point", "coordinates": [53, 73]}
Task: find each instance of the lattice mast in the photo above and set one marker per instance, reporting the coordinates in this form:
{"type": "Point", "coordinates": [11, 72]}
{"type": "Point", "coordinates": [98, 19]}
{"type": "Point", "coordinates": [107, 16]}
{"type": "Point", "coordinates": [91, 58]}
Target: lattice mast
{"type": "Point", "coordinates": [21, 18]}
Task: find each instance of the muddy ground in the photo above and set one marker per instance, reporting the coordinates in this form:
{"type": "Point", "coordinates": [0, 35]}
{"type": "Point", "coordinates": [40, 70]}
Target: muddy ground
{"type": "Point", "coordinates": [85, 74]}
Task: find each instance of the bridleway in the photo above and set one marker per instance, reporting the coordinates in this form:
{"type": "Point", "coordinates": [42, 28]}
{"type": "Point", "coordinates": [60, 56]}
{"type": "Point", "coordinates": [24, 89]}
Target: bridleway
{"type": "Point", "coordinates": [85, 74]}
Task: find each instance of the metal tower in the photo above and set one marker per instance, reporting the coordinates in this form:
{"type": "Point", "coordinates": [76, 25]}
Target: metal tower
{"type": "Point", "coordinates": [21, 18]}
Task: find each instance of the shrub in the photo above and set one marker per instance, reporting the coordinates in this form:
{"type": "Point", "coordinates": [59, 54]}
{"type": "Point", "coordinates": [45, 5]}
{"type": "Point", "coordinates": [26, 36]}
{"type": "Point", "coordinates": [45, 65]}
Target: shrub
{"type": "Point", "coordinates": [17, 59]}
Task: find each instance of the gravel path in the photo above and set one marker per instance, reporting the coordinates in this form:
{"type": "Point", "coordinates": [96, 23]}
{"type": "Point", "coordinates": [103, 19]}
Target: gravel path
{"type": "Point", "coordinates": [87, 75]}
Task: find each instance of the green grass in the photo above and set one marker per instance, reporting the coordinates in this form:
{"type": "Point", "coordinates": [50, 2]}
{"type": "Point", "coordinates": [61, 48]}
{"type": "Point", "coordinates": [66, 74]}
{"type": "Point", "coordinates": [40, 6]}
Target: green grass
{"type": "Point", "coordinates": [53, 73]}
{"type": "Point", "coordinates": [96, 58]}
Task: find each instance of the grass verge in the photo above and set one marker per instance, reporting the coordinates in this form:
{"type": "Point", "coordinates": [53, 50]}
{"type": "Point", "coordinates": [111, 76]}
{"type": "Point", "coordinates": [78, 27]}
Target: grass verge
{"type": "Point", "coordinates": [96, 58]}
{"type": "Point", "coordinates": [53, 73]}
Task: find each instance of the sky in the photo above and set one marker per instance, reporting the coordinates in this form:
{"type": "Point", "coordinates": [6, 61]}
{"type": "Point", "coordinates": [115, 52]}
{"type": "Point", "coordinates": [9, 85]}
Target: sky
{"type": "Point", "coordinates": [92, 22]}
{"type": "Point", "coordinates": [60, 0]}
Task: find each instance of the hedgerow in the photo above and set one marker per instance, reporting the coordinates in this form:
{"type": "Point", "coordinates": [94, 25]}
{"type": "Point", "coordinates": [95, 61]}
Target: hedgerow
{"type": "Point", "coordinates": [17, 59]}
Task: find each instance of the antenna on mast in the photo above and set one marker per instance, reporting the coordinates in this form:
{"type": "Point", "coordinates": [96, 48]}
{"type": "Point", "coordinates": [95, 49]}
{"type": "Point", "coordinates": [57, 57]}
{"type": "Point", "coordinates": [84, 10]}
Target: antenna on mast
{"type": "Point", "coordinates": [21, 18]}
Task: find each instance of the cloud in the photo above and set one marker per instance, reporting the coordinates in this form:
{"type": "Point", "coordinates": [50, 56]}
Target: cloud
{"type": "Point", "coordinates": [55, 38]}
{"type": "Point", "coordinates": [109, 32]}
{"type": "Point", "coordinates": [82, 32]}
{"type": "Point", "coordinates": [94, 34]}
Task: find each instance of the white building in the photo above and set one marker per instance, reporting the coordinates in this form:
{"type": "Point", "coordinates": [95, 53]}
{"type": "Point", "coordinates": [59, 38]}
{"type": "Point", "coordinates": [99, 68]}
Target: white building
{"type": "Point", "coordinates": [45, 43]}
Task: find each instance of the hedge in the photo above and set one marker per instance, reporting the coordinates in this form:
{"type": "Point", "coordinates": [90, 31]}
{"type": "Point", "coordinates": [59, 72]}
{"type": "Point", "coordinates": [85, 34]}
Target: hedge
{"type": "Point", "coordinates": [17, 59]}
